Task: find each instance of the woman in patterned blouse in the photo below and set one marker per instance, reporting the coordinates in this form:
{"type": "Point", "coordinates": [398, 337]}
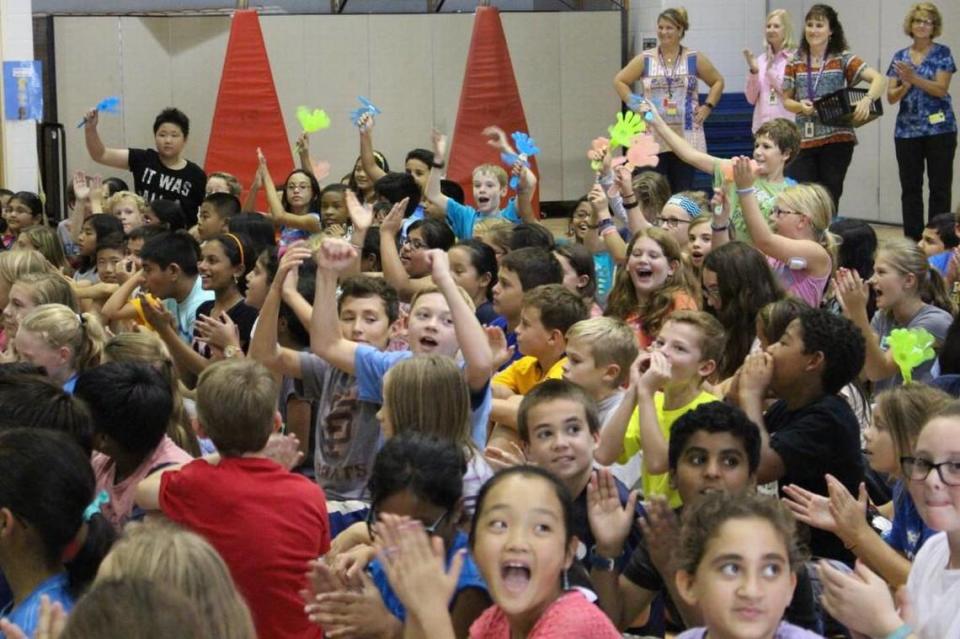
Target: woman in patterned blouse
{"type": "Point", "coordinates": [926, 130]}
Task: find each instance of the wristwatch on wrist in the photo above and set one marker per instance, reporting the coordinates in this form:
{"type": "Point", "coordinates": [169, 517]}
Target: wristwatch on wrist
{"type": "Point", "coordinates": [231, 351]}
{"type": "Point", "coordinates": [599, 562]}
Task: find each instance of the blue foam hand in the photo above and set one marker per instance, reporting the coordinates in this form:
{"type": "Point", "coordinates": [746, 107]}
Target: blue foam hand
{"type": "Point", "coordinates": [107, 105]}
{"type": "Point", "coordinates": [367, 108]}
{"type": "Point", "coordinates": [525, 144]}
{"type": "Point", "coordinates": [634, 102]}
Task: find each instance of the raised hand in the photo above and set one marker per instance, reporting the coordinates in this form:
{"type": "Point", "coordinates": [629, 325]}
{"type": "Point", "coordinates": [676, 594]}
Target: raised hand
{"type": "Point", "coordinates": [852, 292]}
{"type": "Point", "coordinates": [751, 60]}
{"type": "Point", "coordinates": [661, 529]}
{"type": "Point", "coordinates": [288, 269]}
{"type": "Point", "coordinates": [218, 333]}
{"type": "Point", "coordinates": [610, 521]}
{"type": "Point", "coordinates": [598, 201]}
{"type": "Point", "coordinates": [439, 141]}
{"type": "Point", "coordinates": [335, 255]}
{"type": "Point", "coordinates": [743, 172]}
{"type": "Point", "coordinates": [497, 138]}
{"type": "Point", "coordinates": [80, 187]}
{"type": "Point", "coordinates": [502, 353]}
{"type": "Point", "coordinates": [414, 564]}
{"type": "Point", "coordinates": [500, 459]}
{"type": "Point", "coordinates": [393, 221]}
{"type": "Point", "coordinates": [303, 144]}
{"type": "Point", "coordinates": [809, 508]}
{"type": "Point", "coordinates": [439, 266]}
{"type": "Point", "coordinates": [360, 216]}
{"type": "Point", "coordinates": [283, 449]}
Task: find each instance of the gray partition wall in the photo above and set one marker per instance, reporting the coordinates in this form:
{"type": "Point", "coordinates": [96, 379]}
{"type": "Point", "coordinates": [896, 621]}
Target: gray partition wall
{"type": "Point", "coordinates": [411, 66]}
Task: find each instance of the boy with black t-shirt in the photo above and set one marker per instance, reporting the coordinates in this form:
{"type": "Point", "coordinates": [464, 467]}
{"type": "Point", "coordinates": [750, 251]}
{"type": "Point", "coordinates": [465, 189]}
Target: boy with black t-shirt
{"type": "Point", "coordinates": [811, 430]}
{"type": "Point", "coordinates": [161, 173]}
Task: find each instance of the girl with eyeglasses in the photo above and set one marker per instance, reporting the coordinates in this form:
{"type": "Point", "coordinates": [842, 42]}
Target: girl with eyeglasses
{"type": "Point", "coordinates": [898, 416]}
{"type": "Point", "coordinates": [416, 476]}
{"type": "Point", "coordinates": [799, 247]}
{"type": "Point", "coordinates": [862, 600]}
{"type": "Point", "coordinates": [926, 131]}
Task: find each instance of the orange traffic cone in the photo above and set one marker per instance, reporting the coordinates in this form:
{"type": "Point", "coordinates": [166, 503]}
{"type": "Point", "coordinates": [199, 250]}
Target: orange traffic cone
{"type": "Point", "coordinates": [248, 113]}
{"type": "Point", "coordinates": [489, 97]}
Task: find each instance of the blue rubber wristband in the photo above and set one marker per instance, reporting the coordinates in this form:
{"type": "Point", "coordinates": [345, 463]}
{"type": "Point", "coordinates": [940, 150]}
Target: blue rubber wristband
{"type": "Point", "coordinates": [902, 632]}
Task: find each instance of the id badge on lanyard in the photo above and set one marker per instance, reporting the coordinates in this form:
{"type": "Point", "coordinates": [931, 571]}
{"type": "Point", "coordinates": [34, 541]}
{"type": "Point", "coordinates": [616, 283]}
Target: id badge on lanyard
{"type": "Point", "coordinates": [809, 130]}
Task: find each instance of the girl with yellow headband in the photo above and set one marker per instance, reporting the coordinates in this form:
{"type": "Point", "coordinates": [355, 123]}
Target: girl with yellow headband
{"type": "Point", "coordinates": [224, 262]}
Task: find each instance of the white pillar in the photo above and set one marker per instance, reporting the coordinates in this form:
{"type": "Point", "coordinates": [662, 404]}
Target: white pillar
{"type": "Point", "coordinates": [18, 140]}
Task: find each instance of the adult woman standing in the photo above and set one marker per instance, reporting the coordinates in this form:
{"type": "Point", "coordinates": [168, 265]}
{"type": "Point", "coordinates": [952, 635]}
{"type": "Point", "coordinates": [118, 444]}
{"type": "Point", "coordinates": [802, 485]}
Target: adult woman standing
{"type": "Point", "coordinates": [926, 128]}
{"type": "Point", "coordinates": [765, 82]}
{"type": "Point", "coordinates": [669, 74]}
{"type": "Point", "coordinates": [821, 66]}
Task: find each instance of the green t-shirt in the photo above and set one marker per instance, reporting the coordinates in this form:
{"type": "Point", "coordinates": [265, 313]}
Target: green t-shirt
{"type": "Point", "coordinates": [767, 193]}
{"type": "Point", "coordinates": [632, 443]}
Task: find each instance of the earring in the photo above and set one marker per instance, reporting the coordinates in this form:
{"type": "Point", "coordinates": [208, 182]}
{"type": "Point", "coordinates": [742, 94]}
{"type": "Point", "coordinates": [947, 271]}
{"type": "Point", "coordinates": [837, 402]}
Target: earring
{"type": "Point", "coordinates": [566, 579]}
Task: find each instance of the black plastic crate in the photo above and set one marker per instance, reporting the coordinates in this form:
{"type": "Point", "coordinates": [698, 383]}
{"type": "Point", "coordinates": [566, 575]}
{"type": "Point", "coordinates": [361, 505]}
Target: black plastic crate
{"type": "Point", "coordinates": [836, 109]}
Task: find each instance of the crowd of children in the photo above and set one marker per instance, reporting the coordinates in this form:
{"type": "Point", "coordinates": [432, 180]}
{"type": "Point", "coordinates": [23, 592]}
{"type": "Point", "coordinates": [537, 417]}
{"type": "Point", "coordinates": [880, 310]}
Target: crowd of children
{"type": "Point", "coordinates": [374, 410]}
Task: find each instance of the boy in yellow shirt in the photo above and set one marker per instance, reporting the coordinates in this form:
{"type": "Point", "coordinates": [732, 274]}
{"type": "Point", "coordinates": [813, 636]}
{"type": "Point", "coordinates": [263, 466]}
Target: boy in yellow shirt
{"type": "Point", "coordinates": [665, 382]}
{"type": "Point", "coordinates": [548, 313]}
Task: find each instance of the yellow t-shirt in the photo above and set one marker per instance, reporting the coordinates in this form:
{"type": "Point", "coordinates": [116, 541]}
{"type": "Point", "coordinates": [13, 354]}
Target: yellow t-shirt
{"type": "Point", "coordinates": [658, 484]}
{"type": "Point", "coordinates": [525, 373]}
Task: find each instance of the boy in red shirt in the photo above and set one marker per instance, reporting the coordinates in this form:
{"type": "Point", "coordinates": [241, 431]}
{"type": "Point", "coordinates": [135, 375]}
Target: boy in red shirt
{"type": "Point", "coordinates": [266, 522]}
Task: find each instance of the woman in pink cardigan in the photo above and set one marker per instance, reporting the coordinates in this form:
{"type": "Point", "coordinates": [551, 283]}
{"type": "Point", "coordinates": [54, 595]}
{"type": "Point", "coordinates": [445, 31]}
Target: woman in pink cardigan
{"type": "Point", "coordinates": [765, 79]}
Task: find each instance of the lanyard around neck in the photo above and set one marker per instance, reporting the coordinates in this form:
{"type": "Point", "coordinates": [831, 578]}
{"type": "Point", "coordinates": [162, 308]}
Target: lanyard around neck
{"type": "Point", "coordinates": [673, 72]}
{"type": "Point", "coordinates": [812, 87]}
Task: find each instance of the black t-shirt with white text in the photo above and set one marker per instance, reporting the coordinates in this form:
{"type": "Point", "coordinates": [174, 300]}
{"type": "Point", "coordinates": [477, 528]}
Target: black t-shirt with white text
{"type": "Point", "coordinates": [152, 180]}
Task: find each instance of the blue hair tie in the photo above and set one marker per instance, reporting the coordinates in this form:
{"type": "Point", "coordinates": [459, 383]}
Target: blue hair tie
{"type": "Point", "coordinates": [94, 507]}
{"type": "Point", "coordinates": [686, 204]}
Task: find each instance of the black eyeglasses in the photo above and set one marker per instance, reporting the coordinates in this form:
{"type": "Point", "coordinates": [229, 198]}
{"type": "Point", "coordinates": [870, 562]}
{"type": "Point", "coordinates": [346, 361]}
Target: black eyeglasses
{"type": "Point", "coordinates": [671, 222]}
{"type": "Point", "coordinates": [917, 469]}
{"type": "Point", "coordinates": [430, 530]}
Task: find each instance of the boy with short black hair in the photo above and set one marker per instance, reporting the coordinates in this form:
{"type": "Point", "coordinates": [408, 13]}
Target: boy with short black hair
{"type": "Point", "coordinates": [109, 256]}
{"type": "Point", "coordinates": [215, 210]}
{"type": "Point", "coordinates": [161, 173]}
{"type": "Point", "coordinates": [169, 273]}
{"type": "Point", "coordinates": [811, 431]}
{"type": "Point", "coordinates": [346, 429]}
{"type": "Point", "coordinates": [666, 383]}
{"type": "Point", "coordinates": [939, 239]}
{"type": "Point", "coordinates": [266, 522]}
{"type": "Point", "coordinates": [520, 271]}
{"type": "Point", "coordinates": [548, 313]}
{"type": "Point", "coordinates": [600, 351]}
{"type": "Point", "coordinates": [131, 404]}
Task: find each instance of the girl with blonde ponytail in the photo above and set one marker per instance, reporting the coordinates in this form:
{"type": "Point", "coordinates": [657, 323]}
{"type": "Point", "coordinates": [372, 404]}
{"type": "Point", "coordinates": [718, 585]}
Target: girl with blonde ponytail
{"type": "Point", "coordinates": [910, 294]}
{"type": "Point", "coordinates": [800, 248]}
{"type": "Point", "coordinates": [61, 342]}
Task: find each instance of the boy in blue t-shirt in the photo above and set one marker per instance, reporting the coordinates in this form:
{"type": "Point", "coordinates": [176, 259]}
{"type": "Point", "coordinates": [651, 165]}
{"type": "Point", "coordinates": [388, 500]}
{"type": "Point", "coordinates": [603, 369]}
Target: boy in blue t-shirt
{"type": "Point", "coordinates": [489, 188]}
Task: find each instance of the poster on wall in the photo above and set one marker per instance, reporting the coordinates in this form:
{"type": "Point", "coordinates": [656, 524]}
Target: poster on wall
{"type": "Point", "coordinates": [22, 90]}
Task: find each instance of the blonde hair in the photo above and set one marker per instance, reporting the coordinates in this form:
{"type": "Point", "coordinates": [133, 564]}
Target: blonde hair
{"type": "Point", "coordinates": [115, 199]}
{"type": "Point", "coordinates": [58, 326]}
{"type": "Point", "coordinates": [162, 552]}
{"type": "Point", "coordinates": [493, 169]}
{"type": "Point", "coordinates": [45, 240]}
{"type": "Point", "coordinates": [236, 402]}
{"type": "Point", "coordinates": [436, 289]}
{"type": "Point", "coordinates": [905, 257]}
{"type": "Point", "coordinates": [233, 184]}
{"type": "Point", "coordinates": [13, 264]}
{"type": "Point", "coordinates": [789, 37]}
{"type": "Point", "coordinates": [610, 341]}
{"type": "Point", "coordinates": [49, 288]}
{"type": "Point", "coordinates": [930, 9]}
{"type": "Point", "coordinates": [150, 349]}
{"type": "Point", "coordinates": [428, 394]}
{"type": "Point", "coordinates": [903, 410]}
{"type": "Point", "coordinates": [678, 17]}
{"type": "Point", "coordinates": [497, 230]}
{"type": "Point", "coordinates": [816, 204]}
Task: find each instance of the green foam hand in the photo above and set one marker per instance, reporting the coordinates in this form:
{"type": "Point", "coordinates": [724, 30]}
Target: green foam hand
{"type": "Point", "coordinates": [910, 347]}
{"type": "Point", "coordinates": [312, 121]}
{"type": "Point", "coordinates": [626, 128]}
